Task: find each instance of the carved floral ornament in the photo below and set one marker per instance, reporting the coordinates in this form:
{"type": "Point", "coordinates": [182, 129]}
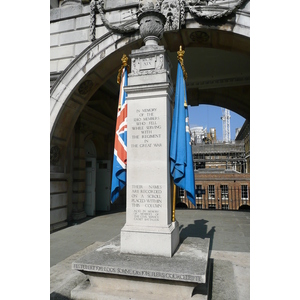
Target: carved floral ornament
{"type": "Point", "coordinates": [85, 87]}
{"type": "Point", "coordinates": [173, 10]}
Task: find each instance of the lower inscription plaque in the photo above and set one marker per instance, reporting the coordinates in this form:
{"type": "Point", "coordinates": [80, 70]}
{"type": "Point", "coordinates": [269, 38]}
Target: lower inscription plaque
{"type": "Point", "coordinates": [146, 202]}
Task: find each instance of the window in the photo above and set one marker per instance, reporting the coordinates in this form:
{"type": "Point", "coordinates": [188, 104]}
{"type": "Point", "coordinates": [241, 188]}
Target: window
{"type": "Point", "coordinates": [199, 206]}
{"type": "Point", "coordinates": [199, 191]}
{"type": "Point", "coordinates": [244, 192]}
{"type": "Point", "coordinates": [211, 192]}
{"type": "Point", "coordinates": [225, 206]}
{"type": "Point", "coordinates": [181, 193]}
{"type": "Point", "coordinates": [224, 192]}
{"type": "Point", "coordinates": [211, 206]}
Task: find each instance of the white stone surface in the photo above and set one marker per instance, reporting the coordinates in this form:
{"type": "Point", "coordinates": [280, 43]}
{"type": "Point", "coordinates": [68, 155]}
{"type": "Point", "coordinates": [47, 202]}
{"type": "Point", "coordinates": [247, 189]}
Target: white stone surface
{"type": "Point", "coordinates": [113, 274]}
{"type": "Point", "coordinates": [62, 52]}
{"type": "Point", "coordinates": [54, 40]}
{"type": "Point", "coordinates": [74, 37]}
{"type": "Point", "coordinates": [151, 241]}
{"type": "Point", "coordinates": [148, 228]}
{"type": "Point", "coordinates": [63, 63]}
{"type": "Point", "coordinates": [65, 25]}
{"type": "Point", "coordinates": [83, 22]}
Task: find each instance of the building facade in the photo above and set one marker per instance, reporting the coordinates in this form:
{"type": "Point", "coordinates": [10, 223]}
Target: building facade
{"type": "Point", "coordinates": [87, 41]}
{"type": "Point", "coordinates": [222, 176]}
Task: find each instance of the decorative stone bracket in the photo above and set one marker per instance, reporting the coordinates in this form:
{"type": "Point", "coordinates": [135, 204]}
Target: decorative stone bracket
{"type": "Point", "coordinates": [173, 10]}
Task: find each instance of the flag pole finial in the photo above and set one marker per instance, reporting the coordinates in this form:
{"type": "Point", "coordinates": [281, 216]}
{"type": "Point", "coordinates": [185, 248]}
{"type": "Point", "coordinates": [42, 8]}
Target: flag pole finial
{"type": "Point", "coordinates": [124, 60]}
{"type": "Point", "coordinates": [180, 55]}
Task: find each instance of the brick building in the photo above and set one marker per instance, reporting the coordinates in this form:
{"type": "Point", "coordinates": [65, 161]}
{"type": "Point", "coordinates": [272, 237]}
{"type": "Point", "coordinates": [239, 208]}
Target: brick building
{"type": "Point", "coordinates": [222, 174]}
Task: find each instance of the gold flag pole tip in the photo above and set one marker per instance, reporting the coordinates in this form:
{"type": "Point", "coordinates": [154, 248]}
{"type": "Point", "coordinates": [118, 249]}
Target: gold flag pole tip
{"type": "Point", "coordinates": [124, 60]}
{"type": "Point", "coordinates": [180, 55]}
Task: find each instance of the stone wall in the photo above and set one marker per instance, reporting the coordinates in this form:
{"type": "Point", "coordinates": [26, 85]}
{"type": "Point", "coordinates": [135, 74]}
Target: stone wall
{"type": "Point", "coordinates": [69, 34]}
{"type": "Point", "coordinates": [58, 203]}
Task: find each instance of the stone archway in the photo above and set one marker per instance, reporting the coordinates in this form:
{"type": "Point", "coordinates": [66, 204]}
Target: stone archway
{"type": "Point", "coordinates": [97, 65]}
{"type": "Point", "coordinates": [101, 59]}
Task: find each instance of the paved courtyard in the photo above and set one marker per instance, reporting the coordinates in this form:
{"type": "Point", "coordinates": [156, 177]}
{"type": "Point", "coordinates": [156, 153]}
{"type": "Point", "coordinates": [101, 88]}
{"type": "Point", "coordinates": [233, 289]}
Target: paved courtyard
{"type": "Point", "coordinates": [229, 233]}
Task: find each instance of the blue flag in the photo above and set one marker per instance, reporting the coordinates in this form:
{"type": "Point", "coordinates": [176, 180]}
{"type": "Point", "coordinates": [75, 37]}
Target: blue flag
{"type": "Point", "coordinates": [120, 149]}
{"type": "Point", "coordinates": [182, 169]}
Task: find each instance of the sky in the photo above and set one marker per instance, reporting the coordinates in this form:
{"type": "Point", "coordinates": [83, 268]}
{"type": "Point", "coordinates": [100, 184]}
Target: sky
{"type": "Point", "coordinates": [210, 116]}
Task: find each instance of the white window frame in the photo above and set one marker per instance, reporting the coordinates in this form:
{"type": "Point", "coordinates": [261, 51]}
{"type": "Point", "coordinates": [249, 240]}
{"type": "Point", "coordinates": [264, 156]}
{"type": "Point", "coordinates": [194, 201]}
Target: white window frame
{"type": "Point", "coordinates": [211, 190]}
{"type": "Point", "coordinates": [224, 192]}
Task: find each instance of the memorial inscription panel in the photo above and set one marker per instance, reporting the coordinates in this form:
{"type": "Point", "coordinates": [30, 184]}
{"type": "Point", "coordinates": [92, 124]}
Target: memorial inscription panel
{"type": "Point", "coordinates": [147, 190]}
{"type": "Point", "coordinates": [147, 202]}
{"type": "Point", "coordinates": [146, 128]}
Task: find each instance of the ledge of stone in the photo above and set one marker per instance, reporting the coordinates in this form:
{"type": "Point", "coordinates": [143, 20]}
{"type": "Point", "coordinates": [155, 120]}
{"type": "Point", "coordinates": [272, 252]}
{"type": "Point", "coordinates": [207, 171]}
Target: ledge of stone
{"type": "Point", "coordinates": [188, 264]}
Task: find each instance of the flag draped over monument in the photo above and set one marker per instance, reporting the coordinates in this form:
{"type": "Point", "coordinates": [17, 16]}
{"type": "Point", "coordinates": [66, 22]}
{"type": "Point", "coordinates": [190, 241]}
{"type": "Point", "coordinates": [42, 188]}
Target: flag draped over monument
{"type": "Point", "coordinates": [120, 149]}
{"type": "Point", "coordinates": [182, 169]}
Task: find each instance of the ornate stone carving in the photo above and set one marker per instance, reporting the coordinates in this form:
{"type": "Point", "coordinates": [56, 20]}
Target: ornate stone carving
{"type": "Point", "coordinates": [145, 5]}
{"type": "Point", "coordinates": [85, 87]}
{"type": "Point", "coordinates": [173, 10]}
{"type": "Point", "coordinates": [151, 25]}
{"type": "Point", "coordinates": [93, 20]}
{"type": "Point", "coordinates": [199, 36]}
{"type": "Point", "coordinates": [97, 6]}
{"type": "Point", "coordinates": [54, 154]}
{"type": "Point", "coordinates": [213, 9]}
{"type": "Point", "coordinates": [152, 64]}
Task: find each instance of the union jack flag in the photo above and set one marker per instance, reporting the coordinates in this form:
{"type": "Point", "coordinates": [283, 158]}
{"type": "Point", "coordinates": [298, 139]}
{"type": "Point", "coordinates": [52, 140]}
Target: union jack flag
{"type": "Point", "coordinates": [120, 149]}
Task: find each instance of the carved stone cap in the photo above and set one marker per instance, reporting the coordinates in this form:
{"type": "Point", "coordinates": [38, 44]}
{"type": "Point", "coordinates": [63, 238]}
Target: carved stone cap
{"type": "Point", "coordinates": [152, 24]}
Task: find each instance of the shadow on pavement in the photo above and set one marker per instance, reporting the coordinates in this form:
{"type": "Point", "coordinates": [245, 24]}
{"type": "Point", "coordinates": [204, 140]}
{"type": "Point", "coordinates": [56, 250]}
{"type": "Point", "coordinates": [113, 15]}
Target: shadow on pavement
{"type": "Point", "coordinates": [198, 230]}
{"type": "Point", "coordinates": [57, 296]}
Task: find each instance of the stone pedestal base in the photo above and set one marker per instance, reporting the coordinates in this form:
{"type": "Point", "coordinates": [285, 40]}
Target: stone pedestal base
{"type": "Point", "coordinates": [150, 240]}
{"type": "Point", "coordinates": [115, 275]}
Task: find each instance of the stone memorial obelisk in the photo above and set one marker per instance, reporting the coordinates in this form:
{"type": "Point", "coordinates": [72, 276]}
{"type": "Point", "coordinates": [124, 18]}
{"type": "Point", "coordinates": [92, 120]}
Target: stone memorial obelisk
{"type": "Point", "coordinates": [146, 261]}
{"type": "Point", "coordinates": [149, 228]}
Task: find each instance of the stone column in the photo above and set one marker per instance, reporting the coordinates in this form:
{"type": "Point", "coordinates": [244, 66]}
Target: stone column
{"type": "Point", "coordinates": [149, 229]}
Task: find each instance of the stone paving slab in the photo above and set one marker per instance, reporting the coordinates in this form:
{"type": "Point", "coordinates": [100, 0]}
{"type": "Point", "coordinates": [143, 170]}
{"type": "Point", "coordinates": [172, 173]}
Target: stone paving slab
{"type": "Point", "coordinates": [188, 264]}
{"type": "Point", "coordinates": [69, 244]}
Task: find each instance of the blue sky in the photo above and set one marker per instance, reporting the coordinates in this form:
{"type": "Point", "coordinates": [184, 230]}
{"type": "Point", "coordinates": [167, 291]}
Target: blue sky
{"type": "Point", "coordinates": [210, 116]}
